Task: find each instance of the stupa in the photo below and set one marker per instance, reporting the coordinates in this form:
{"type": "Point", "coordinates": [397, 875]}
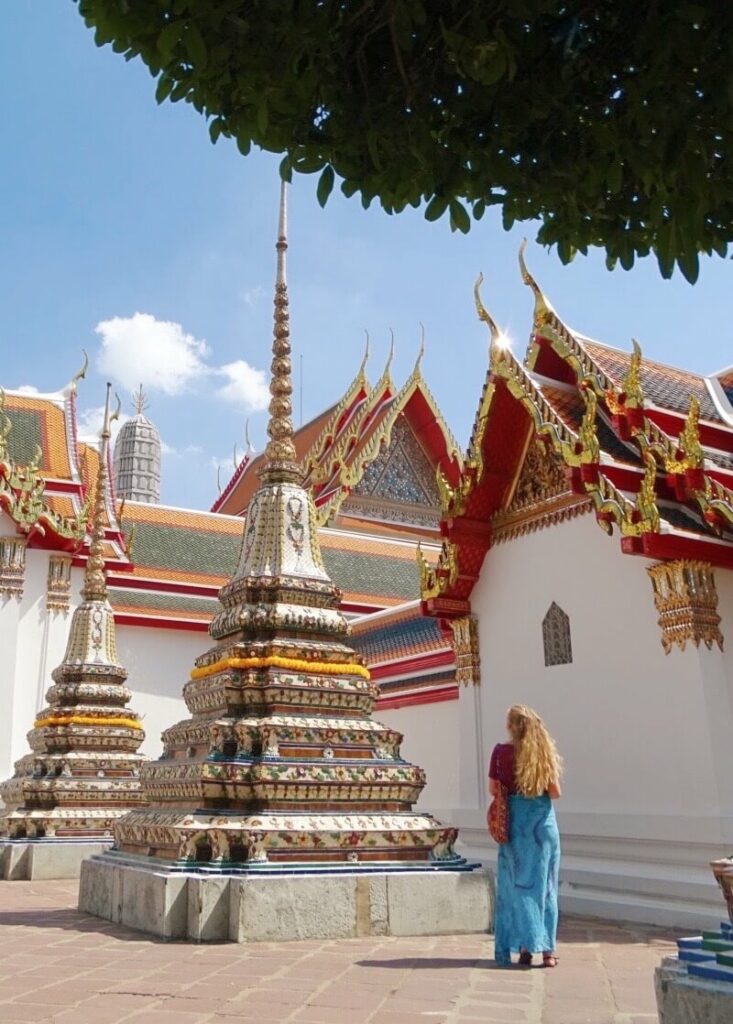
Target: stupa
{"type": "Point", "coordinates": [82, 773]}
{"type": "Point", "coordinates": [279, 794]}
{"type": "Point", "coordinates": [137, 456]}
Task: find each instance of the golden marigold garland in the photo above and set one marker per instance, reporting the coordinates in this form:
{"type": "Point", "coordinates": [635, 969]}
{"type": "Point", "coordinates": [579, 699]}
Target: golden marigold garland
{"type": "Point", "coordinates": [277, 661]}
{"type": "Point", "coordinates": [127, 723]}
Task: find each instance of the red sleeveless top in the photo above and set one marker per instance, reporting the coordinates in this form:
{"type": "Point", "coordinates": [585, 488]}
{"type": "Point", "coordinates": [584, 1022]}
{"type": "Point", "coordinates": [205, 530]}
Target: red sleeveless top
{"type": "Point", "coordinates": [501, 766]}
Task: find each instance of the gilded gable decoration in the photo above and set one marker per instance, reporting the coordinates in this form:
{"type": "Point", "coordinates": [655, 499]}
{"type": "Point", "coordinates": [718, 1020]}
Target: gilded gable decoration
{"type": "Point", "coordinates": [556, 637]}
{"type": "Point", "coordinates": [399, 485]}
{"type": "Point", "coordinates": [58, 588]}
{"type": "Point", "coordinates": [687, 600]}
{"type": "Point", "coordinates": [12, 566]}
{"type": "Point", "coordinates": [540, 480]}
{"type": "Point", "coordinates": [465, 646]}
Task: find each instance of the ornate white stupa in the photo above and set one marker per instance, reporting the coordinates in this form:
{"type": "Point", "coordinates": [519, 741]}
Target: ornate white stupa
{"type": "Point", "coordinates": [137, 456]}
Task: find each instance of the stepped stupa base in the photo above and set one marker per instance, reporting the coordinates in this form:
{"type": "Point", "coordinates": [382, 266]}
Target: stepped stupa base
{"type": "Point", "coordinates": [279, 903]}
{"type": "Point", "coordinates": [32, 860]}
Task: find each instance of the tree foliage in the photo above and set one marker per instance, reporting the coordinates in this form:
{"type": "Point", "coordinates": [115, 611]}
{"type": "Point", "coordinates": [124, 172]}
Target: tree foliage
{"type": "Point", "coordinates": [610, 121]}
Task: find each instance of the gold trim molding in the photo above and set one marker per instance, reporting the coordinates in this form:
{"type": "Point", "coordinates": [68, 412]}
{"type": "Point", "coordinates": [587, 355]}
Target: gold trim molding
{"type": "Point", "coordinates": [687, 602]}
{"type": "Point", "coordinates": [12, 566]}
{"type": "Point", "coordinates": [58, 588]}
{"type": "Point", "coordinates": [465, 646]}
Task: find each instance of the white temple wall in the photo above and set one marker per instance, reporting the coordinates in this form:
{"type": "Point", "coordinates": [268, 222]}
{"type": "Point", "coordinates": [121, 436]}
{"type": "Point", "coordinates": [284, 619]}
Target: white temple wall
{"type": "Point", "coordinates": [645, 803]}
{"type": "Point", "coordinates": [158, 663]}
{"type": "Point", "coordinates": [31, 645]}
{"type": "Point", "coordinates": [431, 741]}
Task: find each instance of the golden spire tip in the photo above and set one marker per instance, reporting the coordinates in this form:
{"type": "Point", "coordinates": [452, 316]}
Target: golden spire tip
{"type": "Point", "coordinates": [542, 307]}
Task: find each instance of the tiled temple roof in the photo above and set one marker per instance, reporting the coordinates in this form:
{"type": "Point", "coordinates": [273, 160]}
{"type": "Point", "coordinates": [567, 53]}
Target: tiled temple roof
{"type": "Point", "coordinates": [665, 386]}
{"type": "Point", "coordinates": [40, 421]}
{"type": "Point", "coordinates": [401, 639]}
{"type": "Point", "coordinates": [170, 547]}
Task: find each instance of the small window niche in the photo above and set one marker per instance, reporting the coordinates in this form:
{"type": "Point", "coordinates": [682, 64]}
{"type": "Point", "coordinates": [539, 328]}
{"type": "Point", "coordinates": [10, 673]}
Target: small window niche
{"type": "Point", "coordinates": [556, 637]}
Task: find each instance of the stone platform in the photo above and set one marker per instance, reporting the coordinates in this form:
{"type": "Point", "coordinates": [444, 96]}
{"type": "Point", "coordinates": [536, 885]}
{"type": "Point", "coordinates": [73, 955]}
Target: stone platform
{"type": "Point", "coordinates": [37, 859]}
{"type": "Point", "coordinates": [697, 984]}
{"type": "Point", "coordinates": [59, 966]}
{"type": "Point", "coordinates": [285, 906]}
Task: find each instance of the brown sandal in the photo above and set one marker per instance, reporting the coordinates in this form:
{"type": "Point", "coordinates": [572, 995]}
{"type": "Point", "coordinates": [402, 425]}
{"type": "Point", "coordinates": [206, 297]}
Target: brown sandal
{"type": "Point", "coordinates": [525, 958]}
{"type": "Point", "coordinates": [549, 960]}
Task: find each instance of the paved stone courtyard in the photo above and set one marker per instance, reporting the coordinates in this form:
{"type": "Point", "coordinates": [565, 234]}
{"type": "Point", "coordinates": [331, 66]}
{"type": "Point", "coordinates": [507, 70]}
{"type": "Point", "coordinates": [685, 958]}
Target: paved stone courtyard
{"type": "Point", "coordinates": [58, 966]}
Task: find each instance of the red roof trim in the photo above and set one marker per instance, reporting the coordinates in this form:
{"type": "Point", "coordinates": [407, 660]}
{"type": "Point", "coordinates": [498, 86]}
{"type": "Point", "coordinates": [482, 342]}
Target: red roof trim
{"type": "Point", "coordinates": [418, 697]}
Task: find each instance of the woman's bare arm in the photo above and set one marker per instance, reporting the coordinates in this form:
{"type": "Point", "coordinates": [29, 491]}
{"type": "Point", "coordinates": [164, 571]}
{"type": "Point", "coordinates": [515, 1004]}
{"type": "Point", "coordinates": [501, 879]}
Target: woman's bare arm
{"type": "Point", "coordinates": [553, 791]}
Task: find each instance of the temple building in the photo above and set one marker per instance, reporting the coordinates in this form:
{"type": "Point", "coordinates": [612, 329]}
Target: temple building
{"type": "Point", "coordinates": [587, 568]}
{"type": "Point", "coordinates": [82, 772]}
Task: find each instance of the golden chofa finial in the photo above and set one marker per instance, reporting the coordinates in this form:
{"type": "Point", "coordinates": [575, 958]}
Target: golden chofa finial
{"type": "Point", "coordinates": [390, 357]}
{"type": "Point", "coordinates": [421, 351]}
{"type": "Point", "coordinates": [361, 375]}
{"type": "Point", "coordinates": [632, 389]}
{"type": "Point", "coordinates": [497, 340]}
{"type": "Point", "coordinates": [689, 443]}
{"type": "Point", "coordinates": [542, 308]}
{"type": "Point", "coordinates": [250, 446]}
{"type": "Point", "coordinates": [80, 374]}
{"type": "Point", "coordinates": [280, 455]}
{"type": "Point", "coordinates": [95, 583]}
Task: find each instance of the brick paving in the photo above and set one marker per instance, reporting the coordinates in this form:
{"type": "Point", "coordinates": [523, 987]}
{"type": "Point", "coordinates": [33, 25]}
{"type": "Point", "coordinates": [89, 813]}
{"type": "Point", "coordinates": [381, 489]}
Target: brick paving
{"type": "Point", "coordinates": [58, 966]}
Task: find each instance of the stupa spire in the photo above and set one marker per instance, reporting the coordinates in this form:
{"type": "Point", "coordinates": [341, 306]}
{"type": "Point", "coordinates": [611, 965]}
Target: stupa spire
{"type": "Point", "coordinates": [95, 582]}
{"type": "Point", "coordinates": [140, 401]}
{"type": "Point", "coordinates": [280, 455]}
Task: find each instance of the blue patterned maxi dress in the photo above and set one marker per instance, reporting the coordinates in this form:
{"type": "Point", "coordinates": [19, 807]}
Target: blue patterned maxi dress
{"type": "Point", "coordinates": [527, 878]}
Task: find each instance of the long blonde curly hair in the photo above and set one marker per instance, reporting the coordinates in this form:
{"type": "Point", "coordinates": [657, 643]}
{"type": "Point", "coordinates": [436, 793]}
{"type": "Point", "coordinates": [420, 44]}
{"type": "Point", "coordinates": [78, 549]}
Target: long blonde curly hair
{"type": "Point", "coordinates": [537, 763]}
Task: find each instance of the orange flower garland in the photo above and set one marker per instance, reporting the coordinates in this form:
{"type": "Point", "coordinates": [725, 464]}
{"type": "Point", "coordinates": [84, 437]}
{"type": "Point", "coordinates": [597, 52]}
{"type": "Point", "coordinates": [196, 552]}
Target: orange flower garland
{"type": "Point", "coordinates": [276, 661]}
{"type": "Point", "coordinates": [126, 723]}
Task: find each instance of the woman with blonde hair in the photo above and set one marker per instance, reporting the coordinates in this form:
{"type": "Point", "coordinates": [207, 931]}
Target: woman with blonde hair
{"type": "Point", "coordinates": [529, 768]}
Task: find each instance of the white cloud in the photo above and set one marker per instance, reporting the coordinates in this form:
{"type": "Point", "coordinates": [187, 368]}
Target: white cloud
{"type": "Point", "coordinates": [253, 296]}
{"type": "Point", "coordinates": [89, 424]}
{"type": "Point", "coordinates": [28, 389]}
{"type": "Point", "coordinates": [246, 386]}
{"type": "Point", "coordinates": [161, 356]}
{"type": "Point", "coordinates": [155, 353]}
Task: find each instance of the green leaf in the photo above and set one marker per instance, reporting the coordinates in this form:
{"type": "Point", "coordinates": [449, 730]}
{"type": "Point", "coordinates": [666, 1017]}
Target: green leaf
{"type": "Point", "coordinates": [168, 39]}
{"type": "Point", "coordinates": [195, 46]}
{"type": "Point", "coordinates": [459, 219]}
{"type": "Point", "coordinates": [286, 169]}
{"type": "Point", "coordinates": [163, 90]}
{"type": "Point", "coordinates": [614, 177]}
{"type": "Point", "coordinates": [689, 264]}
{"type": "Point", "coordinates": [436, 208]}
{"type": "Point", "coordinates": [325, 185]}
{"type": "Point", "coordinates": [244, 144]}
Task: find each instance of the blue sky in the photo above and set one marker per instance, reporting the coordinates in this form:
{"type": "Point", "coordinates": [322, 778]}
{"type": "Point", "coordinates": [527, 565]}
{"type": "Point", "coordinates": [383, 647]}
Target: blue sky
{"type": "Point", "coordinates": [113, 206]}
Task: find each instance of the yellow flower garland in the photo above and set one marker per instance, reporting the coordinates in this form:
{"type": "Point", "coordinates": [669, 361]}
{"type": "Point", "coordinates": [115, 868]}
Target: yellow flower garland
{"type": "Point", "coordinates": [127, 723]}
{"type": "Point", "coordinates": [276, 661]}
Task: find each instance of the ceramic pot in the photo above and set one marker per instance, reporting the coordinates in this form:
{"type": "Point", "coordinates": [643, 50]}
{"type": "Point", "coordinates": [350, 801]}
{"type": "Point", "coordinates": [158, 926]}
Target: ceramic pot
{"type": "Point", "coordinates": [723, 871]}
